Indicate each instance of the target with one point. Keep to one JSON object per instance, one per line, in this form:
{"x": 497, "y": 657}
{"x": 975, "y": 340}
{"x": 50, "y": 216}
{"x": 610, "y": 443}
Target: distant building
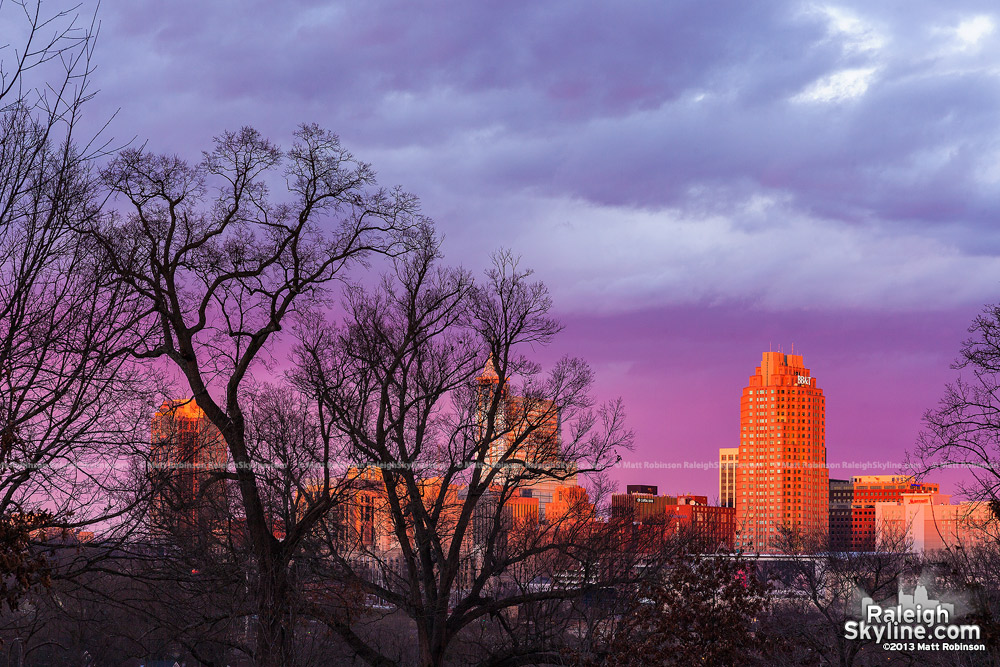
{"x": 927, "y": 522}
{"x": 781, "y": 474}
{"x": 360, "y": 519}
{"x": 636, "y": 506}
{"x": 187, "y": 455}
{"x": 569, "y": 501}
{"x": 728, "y": 456}
{"x": 713, "y": 526}
{"x": 868, "y": 490}
{"x": 648, "y": 489}
{"x": 527, "y": 434}
{"x": 517, "y": 513}
{"x": 841, "y": 497}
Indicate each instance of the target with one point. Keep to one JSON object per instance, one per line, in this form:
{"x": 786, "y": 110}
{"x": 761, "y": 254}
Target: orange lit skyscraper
{"x": 781, "y": 474}
{"x": 188, "y": 454}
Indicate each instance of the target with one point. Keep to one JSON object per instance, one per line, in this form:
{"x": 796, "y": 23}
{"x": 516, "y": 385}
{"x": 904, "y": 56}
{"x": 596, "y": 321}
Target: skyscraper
{"x": 781, "y": 474}
{"x": 188, "y": 456}
{"x": 527, "y": 431}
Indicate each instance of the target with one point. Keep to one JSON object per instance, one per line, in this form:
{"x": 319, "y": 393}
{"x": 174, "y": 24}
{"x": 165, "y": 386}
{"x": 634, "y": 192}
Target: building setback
{"x": 781, "y": 474}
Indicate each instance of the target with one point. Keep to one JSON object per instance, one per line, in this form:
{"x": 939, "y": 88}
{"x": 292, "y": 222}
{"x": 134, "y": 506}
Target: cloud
{"x": 768, "y": 253}
{"x": 971, "y": 31}
{"x": 838, "y": 87}
{"x": 873, "y": 129}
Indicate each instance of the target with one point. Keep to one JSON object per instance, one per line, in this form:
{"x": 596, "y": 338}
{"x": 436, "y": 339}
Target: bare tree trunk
{"x": 275, "y": 636}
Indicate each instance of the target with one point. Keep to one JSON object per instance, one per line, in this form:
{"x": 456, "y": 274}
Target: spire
{"x": 489, "y": 372}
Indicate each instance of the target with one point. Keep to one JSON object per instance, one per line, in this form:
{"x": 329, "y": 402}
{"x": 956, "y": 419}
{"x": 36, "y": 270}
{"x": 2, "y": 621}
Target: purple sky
{"x": 695, "y": 181}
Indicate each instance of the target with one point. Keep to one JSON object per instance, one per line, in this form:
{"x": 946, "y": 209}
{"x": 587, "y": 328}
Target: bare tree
{"x": 427, "y": 390}
{"x": 70, "y": 398}
{"x": 706, "y": 609}
{"x": 221, "y": 270}
{"x": 964, "y": 430}
{"x": 968, "y": 576}
{"x": 817, "y": 592}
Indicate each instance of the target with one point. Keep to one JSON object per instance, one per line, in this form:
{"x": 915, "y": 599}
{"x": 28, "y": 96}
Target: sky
{"x": 695, "y": 182}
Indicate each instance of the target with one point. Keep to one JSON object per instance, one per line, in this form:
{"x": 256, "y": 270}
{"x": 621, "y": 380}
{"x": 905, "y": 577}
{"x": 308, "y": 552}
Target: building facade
{"x": 526, "y": 441}
{"x": 712, "y": 527}
{"x": 841, "y": 498}
{"x": 639, "y": 507}
{"x": 781, "y": 475}
{"x": 728, "y": 456}
{"x": 927, "y": 522}
{"x": 868, "y": 490}
{"x": 187, "y": 455}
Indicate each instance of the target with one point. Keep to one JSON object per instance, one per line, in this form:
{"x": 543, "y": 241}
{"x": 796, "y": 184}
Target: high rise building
{"x": 781, "y": 474}
{"x": 727, "y": 476}
{"x": 188, "y": 453}
{"x": 925, "y": 521}
{"x": 527, "y": 433}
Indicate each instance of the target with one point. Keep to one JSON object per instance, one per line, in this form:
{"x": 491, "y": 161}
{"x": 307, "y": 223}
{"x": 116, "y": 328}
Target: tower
{"x": 188, "y": 452}
{"x": 526, "y": 441}
{"x": 781, "y": 477}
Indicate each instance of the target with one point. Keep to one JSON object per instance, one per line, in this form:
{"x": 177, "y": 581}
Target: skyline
{"x": 648, "y": 162}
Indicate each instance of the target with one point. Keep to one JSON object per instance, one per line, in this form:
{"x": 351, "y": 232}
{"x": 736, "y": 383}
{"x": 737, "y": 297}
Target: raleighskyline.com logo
{"x": 917, "y": 623}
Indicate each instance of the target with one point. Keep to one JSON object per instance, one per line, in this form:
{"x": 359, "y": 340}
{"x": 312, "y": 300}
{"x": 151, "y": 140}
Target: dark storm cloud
{"x": 849, "y": 147}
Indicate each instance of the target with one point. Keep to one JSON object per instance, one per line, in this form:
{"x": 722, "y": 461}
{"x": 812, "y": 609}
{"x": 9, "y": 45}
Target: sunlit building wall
{"x": 187, "y": 454}
{"x": 728, "y": 456}
{"x": 871, "y": 489}
{"x": 528, "y": 434}
{"x": 781, "y": 474}
{"x": 927, "y": 522}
